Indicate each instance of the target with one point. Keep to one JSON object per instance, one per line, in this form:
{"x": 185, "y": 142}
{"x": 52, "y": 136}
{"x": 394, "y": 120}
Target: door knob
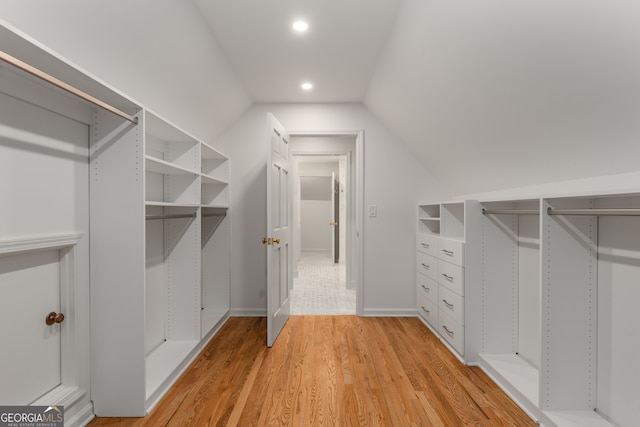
{"x": 266, "y": 240}
{"x": 276, "y": 240}
{"x": 54, "y": 317}
{"x": 333, "y": 223}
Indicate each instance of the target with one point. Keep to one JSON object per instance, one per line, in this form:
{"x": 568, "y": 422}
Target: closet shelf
{"x": 208, "y": 179}
{"x": 155, "y": 165}
{"x": 161, "y": 363}
{"x": 172, "y": 205}
{"x": 577, "y": 419}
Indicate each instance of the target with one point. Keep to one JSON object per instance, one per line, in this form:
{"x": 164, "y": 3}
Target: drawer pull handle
{"x": 425, "y": 288}
{"x": 448, "y": 253}
{"x": 447, "y": 330}
{"x": 449, "y": 306}
{"x": 425, "y": 265}
{"x": 425, "y": 310}
{"x": 449, "y": 278}
{"x": 425, "y": 245}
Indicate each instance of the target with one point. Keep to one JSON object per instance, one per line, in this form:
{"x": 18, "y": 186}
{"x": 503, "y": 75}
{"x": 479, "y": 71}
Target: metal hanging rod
{"x": 64, "y": 86}
{"x": 510, "y": 211}
{"x": 608, "y": 212}
{"x": 214, "y": 214}
{"x": 175, "y": 216}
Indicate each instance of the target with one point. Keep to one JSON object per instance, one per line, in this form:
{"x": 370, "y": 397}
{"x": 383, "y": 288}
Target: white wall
{"x": 394, "y": 181}
{"x": 315, "y": 216}
{"x": 498, "y": 94}
{"x": 160, "y": 53}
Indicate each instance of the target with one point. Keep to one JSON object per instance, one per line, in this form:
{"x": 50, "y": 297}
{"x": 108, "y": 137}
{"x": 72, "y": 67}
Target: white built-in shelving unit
{"x": 552, "y": 285}
{"x": 440, "y": 277}
{"x": 164, "y": 269}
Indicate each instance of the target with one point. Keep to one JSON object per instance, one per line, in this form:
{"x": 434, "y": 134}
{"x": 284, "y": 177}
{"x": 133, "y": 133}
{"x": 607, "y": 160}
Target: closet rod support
{"x": 176, "y": 216}
{"x": 64, "y": 86}
{"x": 510, "y": 212}
{"x": 608, "y": 211}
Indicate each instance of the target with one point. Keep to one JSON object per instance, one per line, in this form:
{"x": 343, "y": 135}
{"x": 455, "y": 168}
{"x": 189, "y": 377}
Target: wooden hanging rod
{"x": 609, "y": 211}
{"x": 64, "y": 86}
{"x": 510, "y": 212}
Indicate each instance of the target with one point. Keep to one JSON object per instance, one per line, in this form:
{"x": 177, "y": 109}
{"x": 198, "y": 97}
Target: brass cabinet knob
{"x": 54, "y": 317}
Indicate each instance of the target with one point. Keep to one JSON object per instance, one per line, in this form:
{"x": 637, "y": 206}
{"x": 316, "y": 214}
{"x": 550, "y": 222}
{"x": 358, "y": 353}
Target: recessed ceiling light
{"x": 306, "y": 86}
{"x": 300, "y": 26}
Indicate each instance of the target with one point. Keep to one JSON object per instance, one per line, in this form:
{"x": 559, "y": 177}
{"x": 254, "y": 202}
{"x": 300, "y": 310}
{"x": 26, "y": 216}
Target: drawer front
{"x": 428, "y": 287}
{"x": 428, "y": 310}
{"x": 451, "y": 251}
{"x": 451, "y": 331}
{"x": 451, "y": 303}
{"x": 428, "y": 243}
{"x": 427, "y": 265}
{"x": 451, "y": 276}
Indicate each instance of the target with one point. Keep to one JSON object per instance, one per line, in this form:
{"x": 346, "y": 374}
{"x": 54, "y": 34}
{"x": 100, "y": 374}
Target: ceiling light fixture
{"x": 306, "y": 86}
{"x": 300, "y": 26}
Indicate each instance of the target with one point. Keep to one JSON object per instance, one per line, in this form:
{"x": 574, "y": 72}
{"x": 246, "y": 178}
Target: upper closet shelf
{"x": 172, "y": 205}
{"x": 162, "y": 167}
{"x": 207, "y": 179}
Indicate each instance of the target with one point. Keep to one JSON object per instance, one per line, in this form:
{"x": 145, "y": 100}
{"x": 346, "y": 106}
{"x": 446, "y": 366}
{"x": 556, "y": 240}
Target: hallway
{"x": 320, "y": 287}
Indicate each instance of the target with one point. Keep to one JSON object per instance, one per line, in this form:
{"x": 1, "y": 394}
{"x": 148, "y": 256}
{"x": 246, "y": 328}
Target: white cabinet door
{"x": 279, "y": 254}
{"x": 30, "y": 363}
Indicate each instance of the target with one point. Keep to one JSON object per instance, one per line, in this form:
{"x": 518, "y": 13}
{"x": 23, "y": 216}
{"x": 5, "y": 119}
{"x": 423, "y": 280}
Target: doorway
{"x": 324, "y": 212}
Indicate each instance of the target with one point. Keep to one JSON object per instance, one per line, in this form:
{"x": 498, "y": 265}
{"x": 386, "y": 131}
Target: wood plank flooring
{"x": 330, "y": 371}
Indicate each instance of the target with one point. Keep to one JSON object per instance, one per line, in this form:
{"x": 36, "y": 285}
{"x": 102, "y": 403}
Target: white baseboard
{"x": 389, "y": 312}
{"x": 248, "y": 312}
{"x": 83, "y": 417}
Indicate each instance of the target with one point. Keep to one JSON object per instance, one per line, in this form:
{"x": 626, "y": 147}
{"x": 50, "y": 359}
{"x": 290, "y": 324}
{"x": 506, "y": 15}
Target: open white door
{"x": 277, "y": 242}
{"x": 335, "y": 214}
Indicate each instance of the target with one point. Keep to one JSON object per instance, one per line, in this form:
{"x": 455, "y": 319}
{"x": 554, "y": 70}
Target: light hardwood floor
{"x": 330, "y": 371}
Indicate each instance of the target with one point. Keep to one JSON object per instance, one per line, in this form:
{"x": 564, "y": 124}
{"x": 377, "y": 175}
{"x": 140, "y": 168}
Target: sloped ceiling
{"x": 497, "y": 94}
{"x": 488, "y": 94}
{"x": 338, "y": 53}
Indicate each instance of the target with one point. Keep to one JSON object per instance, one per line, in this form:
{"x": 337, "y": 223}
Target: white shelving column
{"x": 427, "y": 263}
{"x": 503, "y": 294}
{"x": 117, "y": 267}
{"x": 440, "y": 277}
{"x": 172, "y": 235}
{"x": 215, "y": 240}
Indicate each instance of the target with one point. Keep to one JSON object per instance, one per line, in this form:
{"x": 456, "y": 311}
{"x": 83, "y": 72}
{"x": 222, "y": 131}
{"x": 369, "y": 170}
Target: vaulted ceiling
{"x": 488, "y": 94}
{"x": 338, "y": 53}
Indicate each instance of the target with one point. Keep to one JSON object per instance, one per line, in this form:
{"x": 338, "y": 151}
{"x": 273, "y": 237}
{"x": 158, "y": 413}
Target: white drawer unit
{"x": 452, "y": 251}
{"x": 428, "y": 287}
{"x": 427, "y": 265}
{"x": 451, "y": 303}
{"x": 427, "y": 309}
{"x": 440, "y": 283}
{"x": 427, "y": 243}
{"x": 451, "y": 276}
{"x": 451, "y": 331}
